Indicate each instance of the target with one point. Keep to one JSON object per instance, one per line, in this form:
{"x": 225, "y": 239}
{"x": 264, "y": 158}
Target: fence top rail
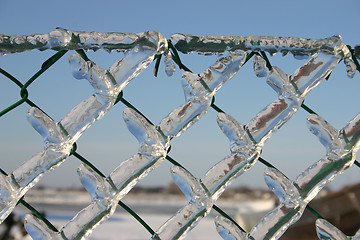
{"x": 63, "y": 39}
{"x": 218, "y": 44}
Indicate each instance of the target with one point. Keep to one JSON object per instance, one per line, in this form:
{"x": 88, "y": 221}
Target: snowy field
{"x": 122, "y": 226}
{"x": 155, "y": 212}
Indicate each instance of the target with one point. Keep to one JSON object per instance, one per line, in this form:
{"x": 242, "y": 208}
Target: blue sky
{"x": 108, "y": 142}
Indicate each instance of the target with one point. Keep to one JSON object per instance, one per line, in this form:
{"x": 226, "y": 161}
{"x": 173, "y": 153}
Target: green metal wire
{"x": 315, "y": 213}
{"x": 216, "y": 108}
{"x": 222, "y": 213}
{"x": 22, "y": 100}
{"x": 357, "y": 163}
{"x": 82, "y": 159}
{"x": 129, "y": 105}
{"x": 47, "y": 64}
{"x": 82, "y": 53}
{"x": 172, "y": 161}
{"x": 176, "y": 58}
{"x": 23, "y": 92}
{"x": 157, "y": 64}
{"x": 137, "y": 217}
{"x": 268, "y": 64}
{"x": 38, "y": 215}
{"x": 309, "y": 110}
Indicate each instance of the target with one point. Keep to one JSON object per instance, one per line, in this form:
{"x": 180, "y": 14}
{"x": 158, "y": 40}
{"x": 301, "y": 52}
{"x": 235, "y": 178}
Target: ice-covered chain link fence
{"x": 246, "y": 141}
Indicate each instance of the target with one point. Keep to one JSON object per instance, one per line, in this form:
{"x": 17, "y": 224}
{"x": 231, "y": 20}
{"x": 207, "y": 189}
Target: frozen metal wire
{"x": 75, "y": 43}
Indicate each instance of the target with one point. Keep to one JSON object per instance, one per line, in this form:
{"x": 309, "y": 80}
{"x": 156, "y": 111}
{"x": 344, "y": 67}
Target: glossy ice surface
{"x": 246, "y": 140}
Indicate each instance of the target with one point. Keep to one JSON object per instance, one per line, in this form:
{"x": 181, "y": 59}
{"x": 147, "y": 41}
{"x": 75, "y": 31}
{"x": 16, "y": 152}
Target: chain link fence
{"x": 145, "y": 50}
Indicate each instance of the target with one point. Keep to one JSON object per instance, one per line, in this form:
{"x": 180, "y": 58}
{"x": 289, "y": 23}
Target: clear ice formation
{"x": 246, "y": 142}
{"x": 299, "y": 47}
{"x": 326, "y": 231}
{"x": 169, "y": 64}
{"x": 341, "y": 148}
{"x": 199, "y": 90}
{"x": 63, "y": 39}
{"x": 154, "y": 143}
{"x": 107, "y": 192}
{"x": 259, "y": 66}
{"x": 60, "y": 136}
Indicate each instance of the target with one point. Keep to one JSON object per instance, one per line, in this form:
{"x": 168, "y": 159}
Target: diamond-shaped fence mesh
{"x": 246, "y": 140}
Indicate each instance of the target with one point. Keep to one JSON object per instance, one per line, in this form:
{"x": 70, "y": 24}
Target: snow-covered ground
{"x": 123, "y": 226}
{"x": 60, "y": 208}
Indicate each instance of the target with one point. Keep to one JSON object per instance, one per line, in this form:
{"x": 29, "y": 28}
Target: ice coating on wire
{"x": 228, "y": 230}
{"x": 60, "y": 136}
{"x": 63, "y": 39}
{"x": 299, "y": 47}
{"x": 169, "y": 64}
{"x": 326, "y": 231}
{"x": 106, "y": 192}
{"x": 341, "y": 148}
{"x": 38, "y": 229}
{"x": 153, "y": 146}
{"x": 246, "y": 141}
{"x": 199, "y": 90}
{"x": 259, "y": 66}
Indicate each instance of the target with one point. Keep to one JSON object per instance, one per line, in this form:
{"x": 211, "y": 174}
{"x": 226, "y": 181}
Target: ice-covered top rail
{"x": 187, "y": 43}
{"x": 299, "y": 47}
{"x": 62, "y": 39}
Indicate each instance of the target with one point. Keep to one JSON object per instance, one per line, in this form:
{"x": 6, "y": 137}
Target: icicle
{"x": 283, "y": 188}
{"x": 95, "y": 185}
{"x": 259, "y": 66}
{"x": 54, "y": 135}
{"x": 199, "y": 206}
{"x": 326, "y": 231}
{"x": 192, "y": 188}
{"x": 350, "y": 67}
{"x": 240, "y": 141}
{"x": 328, "y": 136}
{"x": 228, "y": 230}
{"x": 169, "y": 64}
{"x": 38, "y": 230}
{"x": 104, "y": 202}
